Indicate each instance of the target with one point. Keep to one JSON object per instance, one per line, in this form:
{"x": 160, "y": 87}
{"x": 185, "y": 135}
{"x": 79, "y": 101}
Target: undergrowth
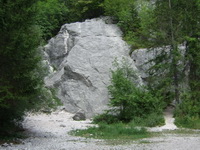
{"x": 113, "y": 131}
{"x": 188, "y": 122}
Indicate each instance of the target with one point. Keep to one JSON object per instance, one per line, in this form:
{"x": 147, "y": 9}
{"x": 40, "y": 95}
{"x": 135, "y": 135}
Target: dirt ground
{"x": 50, "y": 132}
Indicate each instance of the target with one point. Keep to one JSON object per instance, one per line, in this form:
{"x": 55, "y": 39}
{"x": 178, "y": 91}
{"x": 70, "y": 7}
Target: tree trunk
{"x": 173, "y": 51}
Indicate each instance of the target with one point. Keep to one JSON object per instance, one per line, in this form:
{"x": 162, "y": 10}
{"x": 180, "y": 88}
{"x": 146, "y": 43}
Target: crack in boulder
{"x": 70, "y": 74}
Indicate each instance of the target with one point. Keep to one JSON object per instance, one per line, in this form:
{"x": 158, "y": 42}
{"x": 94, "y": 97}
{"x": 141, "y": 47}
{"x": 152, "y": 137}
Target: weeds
{"x": 113, "y": 131}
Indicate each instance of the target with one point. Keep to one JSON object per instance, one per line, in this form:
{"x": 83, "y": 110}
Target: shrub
{"x": 150, "y": 120}
{"x": 106, "y": 118}
{"x": 187, "y": 113}
{"x": 128, "y": 100}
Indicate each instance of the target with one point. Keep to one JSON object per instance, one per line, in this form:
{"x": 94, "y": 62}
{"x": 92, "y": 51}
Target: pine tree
{"x": 177, "y": 22}
{"x": 20, "y": 79}
{"x": 167, "y": 30}
{"x": 189, "y": 110}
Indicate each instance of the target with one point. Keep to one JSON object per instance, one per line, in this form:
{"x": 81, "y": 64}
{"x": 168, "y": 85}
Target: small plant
{"x": 113, "y": 131}
{"x": 150, "y": 120}
{"x": 106, "y": 118}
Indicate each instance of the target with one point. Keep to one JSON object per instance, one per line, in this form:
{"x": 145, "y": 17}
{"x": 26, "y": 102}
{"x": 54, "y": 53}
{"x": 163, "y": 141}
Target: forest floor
{"x": 50, "y": 132}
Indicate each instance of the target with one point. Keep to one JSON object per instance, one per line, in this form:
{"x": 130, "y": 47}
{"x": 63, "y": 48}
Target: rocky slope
{"x": 81, "y": 56}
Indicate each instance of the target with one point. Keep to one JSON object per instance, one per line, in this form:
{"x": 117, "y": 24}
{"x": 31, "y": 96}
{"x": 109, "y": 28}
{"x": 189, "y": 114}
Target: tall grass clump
{"x": 113, "y": 131}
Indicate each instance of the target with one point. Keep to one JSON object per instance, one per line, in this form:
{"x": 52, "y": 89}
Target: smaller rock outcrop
{"x": 143, "y": 58}
{"x": 80, "y": 115}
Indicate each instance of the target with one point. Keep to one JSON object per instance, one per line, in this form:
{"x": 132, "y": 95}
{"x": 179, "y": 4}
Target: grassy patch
{"x": 188, "y": 122}
{"x": 113, "y": 131}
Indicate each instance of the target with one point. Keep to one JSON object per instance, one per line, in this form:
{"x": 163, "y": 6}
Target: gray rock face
{"x": 142, "y": 57}
{"x": 82, "y": 55}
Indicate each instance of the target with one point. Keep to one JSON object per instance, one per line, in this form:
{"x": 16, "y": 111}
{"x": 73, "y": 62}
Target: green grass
{"x": 191, "y": 123}
{"x": 113, "y": 131}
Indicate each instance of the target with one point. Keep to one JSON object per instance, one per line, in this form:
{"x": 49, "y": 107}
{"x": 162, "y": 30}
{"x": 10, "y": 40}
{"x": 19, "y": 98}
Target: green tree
{"x": 79, "y": 10}
{"x": 126, "y": 14}
{"x": 135, "y": 18}
{"x": 128, "y": 99}
{"x": 188, "y": 113}
{"x": 168, "y": 35}
{"x": 20, "y": 75}
{"x": 51, "y": 14}
{"x": 177, "y": 22}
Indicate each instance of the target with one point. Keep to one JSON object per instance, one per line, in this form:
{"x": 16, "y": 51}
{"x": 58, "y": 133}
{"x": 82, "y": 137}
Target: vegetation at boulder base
{"x": 130, "y": 106}
{"x": 130, "y": 101}
{"x": 114, "y": 131}
{"x": 176, "y": 23}
{"x": 169, "y": 25}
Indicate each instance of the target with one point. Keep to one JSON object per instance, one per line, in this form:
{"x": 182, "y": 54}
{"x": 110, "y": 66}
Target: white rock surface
{"x": 82, "y": 55}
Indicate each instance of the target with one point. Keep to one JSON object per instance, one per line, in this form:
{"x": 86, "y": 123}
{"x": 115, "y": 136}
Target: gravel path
{"x": 49, "y": 132}
{"x": 169, "y": 121}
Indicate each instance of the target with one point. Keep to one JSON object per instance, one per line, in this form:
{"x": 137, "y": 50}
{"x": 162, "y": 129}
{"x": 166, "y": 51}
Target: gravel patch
{"x": 50, "y": 132}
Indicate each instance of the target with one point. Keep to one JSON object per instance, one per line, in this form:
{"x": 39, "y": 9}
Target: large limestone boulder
{"x": 81, "y": 56}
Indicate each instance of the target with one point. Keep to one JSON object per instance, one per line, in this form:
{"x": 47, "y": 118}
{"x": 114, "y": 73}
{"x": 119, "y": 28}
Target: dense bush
{"x": 106, "y": 118}
{"x": 51, "y": 14}
{"x": 151, "y": 120}
{"x": 188, "y": 112}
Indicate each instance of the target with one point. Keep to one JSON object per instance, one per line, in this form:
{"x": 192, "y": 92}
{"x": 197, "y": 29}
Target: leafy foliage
{"x": 188, "y": 112}
{"x": 79, "y": 10}
{"x": 151, "y": 120}
{"x": 51, "y": 14}
{"x": 126, "y": 14}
